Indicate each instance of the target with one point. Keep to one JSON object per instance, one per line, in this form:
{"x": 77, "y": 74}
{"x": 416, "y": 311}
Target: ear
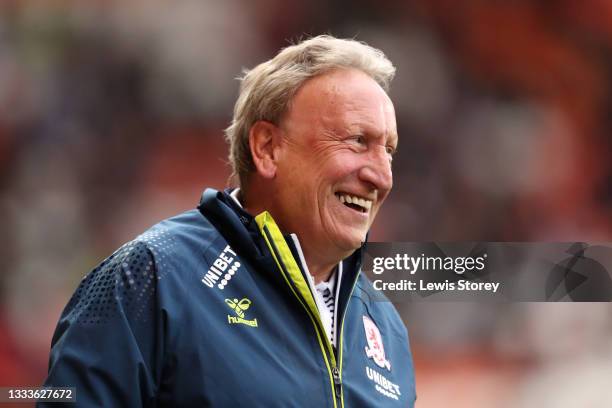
{"x": 264, "y": 138}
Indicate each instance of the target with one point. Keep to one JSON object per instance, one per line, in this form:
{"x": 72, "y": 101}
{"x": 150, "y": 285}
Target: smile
{"x": 354, "y": 202}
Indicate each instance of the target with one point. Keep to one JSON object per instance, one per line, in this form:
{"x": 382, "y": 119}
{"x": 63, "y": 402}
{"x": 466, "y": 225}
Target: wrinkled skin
{"x": 336, "y": 138}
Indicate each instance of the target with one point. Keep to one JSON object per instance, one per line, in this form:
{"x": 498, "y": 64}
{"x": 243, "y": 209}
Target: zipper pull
{"x": 337, "y": 381}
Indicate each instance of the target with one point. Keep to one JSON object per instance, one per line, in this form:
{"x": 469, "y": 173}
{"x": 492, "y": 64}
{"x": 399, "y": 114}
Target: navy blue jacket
{"x": 211, "y": 308}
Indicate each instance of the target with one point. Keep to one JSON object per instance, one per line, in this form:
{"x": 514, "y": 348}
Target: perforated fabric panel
{"x": 126, "y": 279}
{"x": 109, "y": 341}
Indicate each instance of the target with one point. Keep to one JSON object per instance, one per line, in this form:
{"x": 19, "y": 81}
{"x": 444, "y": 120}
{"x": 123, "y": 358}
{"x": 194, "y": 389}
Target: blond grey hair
{"x": 267, "y": 90}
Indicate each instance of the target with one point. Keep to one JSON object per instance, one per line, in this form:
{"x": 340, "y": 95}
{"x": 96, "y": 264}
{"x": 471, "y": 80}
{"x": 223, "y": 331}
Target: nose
{"x": 377, "y": 170}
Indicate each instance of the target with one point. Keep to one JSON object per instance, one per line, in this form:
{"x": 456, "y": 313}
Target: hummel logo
{"x": 239, "y": 307}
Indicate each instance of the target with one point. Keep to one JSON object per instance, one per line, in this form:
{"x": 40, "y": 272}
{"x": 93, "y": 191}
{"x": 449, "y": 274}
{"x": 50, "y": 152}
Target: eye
{"x": 359, "y": 139}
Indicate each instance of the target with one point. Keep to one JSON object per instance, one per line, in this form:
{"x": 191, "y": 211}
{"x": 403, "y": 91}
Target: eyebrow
{"x": 394, "y": 138}
{"x": 364, "y": 128}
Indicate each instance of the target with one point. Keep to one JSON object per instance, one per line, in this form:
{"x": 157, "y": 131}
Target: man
{"x": 256, "y": 298}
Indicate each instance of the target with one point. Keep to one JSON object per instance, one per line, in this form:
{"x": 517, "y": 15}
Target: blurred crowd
{"x": 112, "y": 115}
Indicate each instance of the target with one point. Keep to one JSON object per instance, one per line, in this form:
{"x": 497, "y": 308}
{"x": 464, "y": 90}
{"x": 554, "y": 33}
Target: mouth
{"x": 356, "y": 203}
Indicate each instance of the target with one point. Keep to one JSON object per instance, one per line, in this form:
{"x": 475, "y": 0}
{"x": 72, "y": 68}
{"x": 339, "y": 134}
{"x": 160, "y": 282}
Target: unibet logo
{"x": 239, "y": 308}
{"x": 222, "y": 269}
{"x": 383, "y": 385}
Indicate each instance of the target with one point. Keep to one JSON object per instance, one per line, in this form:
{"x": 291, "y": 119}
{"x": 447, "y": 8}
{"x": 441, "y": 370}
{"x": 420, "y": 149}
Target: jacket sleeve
{"x": 106, "y": 343}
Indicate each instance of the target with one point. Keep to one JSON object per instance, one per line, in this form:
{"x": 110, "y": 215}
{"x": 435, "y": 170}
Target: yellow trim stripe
{"x": 266, "y": 223}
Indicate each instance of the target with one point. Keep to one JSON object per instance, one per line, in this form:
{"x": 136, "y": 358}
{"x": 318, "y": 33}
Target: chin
{"x": 351, "y": 243}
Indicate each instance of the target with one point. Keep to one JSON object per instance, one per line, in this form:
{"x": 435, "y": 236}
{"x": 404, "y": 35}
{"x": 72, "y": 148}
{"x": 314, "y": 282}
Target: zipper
{"x": 337, "y": 383}
{"x": 341, "y": 338}
{"x": 269, "y": 230}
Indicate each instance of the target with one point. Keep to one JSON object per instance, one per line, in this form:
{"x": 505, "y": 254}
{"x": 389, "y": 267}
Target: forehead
{"x": 345, "y": 98}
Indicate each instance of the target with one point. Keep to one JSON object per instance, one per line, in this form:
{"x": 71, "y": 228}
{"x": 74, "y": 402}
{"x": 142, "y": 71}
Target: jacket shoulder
{"x": 187, "y": 231}
{"x": 178, "y": 244}
{"x": 188, "y": 226}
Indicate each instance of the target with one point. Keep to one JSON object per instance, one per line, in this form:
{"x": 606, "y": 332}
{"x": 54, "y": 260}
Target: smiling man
{"x": 324, "y": 170}
{"x": 256, "y": 298}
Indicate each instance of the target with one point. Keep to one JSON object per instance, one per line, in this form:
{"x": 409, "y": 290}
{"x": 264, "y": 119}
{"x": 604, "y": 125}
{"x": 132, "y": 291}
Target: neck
{"x": 320, "y": 273}
{"x": 319, "y": 267}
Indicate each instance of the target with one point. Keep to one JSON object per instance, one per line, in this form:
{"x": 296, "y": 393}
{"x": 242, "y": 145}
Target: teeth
{"x": 362, "y": 202}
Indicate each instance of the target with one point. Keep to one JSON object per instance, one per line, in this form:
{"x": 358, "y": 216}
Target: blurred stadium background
{"x": 111, "y": 118}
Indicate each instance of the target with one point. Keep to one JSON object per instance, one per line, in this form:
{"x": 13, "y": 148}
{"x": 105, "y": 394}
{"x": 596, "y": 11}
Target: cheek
{"x": 290, "y": 168}
{"x": 340, "y": 167}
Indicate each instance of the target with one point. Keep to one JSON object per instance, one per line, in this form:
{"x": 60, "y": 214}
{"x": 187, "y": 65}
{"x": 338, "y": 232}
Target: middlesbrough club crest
{"x": 375, "y": 349}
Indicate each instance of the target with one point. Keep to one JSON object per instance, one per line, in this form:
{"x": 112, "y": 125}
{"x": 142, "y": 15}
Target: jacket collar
{"x": 240, "y": 230}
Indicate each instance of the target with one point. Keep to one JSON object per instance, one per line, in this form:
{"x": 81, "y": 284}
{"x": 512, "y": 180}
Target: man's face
{"x": 334, "y": 161}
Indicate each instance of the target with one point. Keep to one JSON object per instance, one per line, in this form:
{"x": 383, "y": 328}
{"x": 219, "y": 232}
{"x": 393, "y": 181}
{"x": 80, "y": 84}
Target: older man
{"x": 256, "y": 297}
